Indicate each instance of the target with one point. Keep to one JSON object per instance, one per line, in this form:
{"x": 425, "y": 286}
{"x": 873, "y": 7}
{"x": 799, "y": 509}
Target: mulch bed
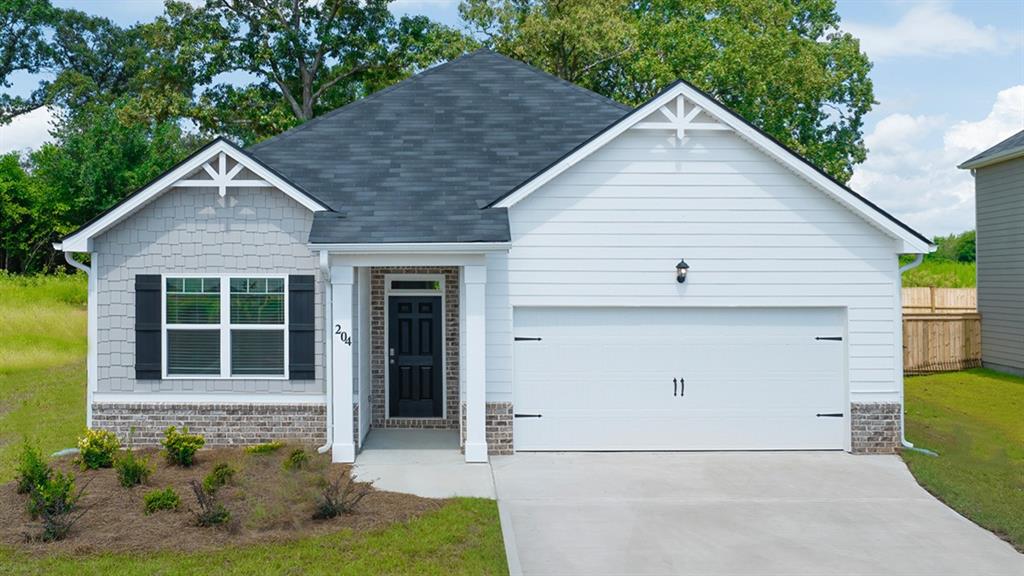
{"x": 267, "y": 504}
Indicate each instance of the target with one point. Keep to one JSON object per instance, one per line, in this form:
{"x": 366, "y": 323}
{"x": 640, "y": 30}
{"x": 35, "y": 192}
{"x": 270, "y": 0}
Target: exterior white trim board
{"x": 416, "y": 247}
{"x": 200, "y": 399}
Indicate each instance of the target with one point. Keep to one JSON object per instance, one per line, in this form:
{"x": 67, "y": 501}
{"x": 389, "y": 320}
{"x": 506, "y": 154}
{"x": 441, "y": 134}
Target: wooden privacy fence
{"x": 941, "y": 330}
{"x": 940, "y": 300}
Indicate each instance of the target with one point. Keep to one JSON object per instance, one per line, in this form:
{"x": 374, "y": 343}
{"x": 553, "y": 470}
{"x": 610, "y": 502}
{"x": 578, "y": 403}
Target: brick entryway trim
{"x": 378, "y": 355}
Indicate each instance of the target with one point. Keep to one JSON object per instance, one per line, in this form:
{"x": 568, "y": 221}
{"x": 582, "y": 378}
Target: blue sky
{"x": 948, "y": 76}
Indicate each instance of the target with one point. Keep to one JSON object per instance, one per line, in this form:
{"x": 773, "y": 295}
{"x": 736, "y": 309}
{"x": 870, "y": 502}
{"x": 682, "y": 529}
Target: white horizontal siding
{"x": 609, "y": 231}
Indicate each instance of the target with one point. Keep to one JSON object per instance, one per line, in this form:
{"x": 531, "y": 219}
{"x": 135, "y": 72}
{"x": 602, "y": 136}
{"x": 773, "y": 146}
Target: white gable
{"x": 683, "y": 111}
{"x": 219, "y": 167}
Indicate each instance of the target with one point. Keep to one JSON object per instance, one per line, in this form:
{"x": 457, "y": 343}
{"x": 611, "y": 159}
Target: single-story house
{"x": 490, "y": 249}
{"x": 999, "y": 210}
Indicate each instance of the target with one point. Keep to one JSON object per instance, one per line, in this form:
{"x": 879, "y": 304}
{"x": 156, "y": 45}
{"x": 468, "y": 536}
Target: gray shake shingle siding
{"x": 416, "y": 162}
{"x": 1000, "y": 212}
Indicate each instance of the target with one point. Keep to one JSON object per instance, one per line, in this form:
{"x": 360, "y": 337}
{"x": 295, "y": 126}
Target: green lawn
{"x": 942, "y": 274}
{"x": 975, "y": 421}
{"x": 42, "y": 363}
{"x": 42, "y": 397}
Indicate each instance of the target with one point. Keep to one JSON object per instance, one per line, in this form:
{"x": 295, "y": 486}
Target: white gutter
{"x": 903, "y": 407}
{"x": 414, "y": 247}
{"x": 91, "y": 342}
{"x": 325, "y": 269}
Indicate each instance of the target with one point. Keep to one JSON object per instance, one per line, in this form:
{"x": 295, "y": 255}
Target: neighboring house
{"x": 486, "y": 248}
{"x": 999, "y": 201}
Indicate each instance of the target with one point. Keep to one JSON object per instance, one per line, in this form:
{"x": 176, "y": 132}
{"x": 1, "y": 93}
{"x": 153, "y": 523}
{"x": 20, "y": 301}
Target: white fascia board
{"x": 911, "y": 244}
{"x": 81, "y": 241}
{"x": 995, "y": 159}
{"x": 414, "y": 247}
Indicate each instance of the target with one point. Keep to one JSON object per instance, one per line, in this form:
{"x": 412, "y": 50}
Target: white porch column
{"x": 342, "y": 356}
{"x": 474, "y": 283}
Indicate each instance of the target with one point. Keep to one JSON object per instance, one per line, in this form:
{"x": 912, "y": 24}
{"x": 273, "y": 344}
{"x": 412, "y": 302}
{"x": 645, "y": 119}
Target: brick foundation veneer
{"x": 378, "y": 358}
{"x": 875, "y": 428}
{"x": 220, "y": 424}
{"x": 498, "y": 428}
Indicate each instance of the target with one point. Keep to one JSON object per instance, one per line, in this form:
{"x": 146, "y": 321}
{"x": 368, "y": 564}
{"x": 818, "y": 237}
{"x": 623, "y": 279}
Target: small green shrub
{"x": 265, "y": 448}
{"x": 181, "y": 447}
{"x": 221, "y": 475}
{"x": 55, "y": 502}
{"x": 96, "y": 449}
{"x": 211, "y": 512}
{"x": 340, "y": 495}
{"x": 131, "y": 469}
{"x": 296, "y": 460}
{"x": 32, "y": 468}
{"x": 166, "y": 499}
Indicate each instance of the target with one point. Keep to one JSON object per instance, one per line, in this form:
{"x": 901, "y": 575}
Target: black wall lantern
{"x": 681, "y": 269}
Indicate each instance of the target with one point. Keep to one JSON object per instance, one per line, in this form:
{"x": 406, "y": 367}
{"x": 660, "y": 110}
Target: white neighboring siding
{"x": 609, "y": 231}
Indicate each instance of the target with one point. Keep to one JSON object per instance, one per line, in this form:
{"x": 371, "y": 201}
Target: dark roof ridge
{"x": 347, "y": 107}
{"x": 560, "y": 80}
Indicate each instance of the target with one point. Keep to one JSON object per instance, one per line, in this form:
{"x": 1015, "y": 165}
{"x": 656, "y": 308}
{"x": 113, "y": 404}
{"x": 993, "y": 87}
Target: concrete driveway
{"x": 783, "y": 513}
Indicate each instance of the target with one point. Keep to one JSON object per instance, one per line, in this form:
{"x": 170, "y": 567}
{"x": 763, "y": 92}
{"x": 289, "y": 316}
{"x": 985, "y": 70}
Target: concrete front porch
{"x": 422, "y": 462}
{"x": 371, "y": 390}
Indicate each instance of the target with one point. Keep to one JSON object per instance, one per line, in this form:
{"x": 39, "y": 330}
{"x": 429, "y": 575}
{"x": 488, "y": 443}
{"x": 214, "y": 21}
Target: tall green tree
{"x": 23, "y": 47}
{"x": 305, "y": 56}
{"x": 784, "y": 65}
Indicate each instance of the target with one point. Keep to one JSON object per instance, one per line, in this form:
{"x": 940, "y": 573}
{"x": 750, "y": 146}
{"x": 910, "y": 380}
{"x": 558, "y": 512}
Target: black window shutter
{"x": 300, "y": 327}
{"x": 147, "y": 327}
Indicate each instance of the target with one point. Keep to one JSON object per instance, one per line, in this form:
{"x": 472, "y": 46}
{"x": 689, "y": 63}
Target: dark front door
{"x": 414, "y": 357}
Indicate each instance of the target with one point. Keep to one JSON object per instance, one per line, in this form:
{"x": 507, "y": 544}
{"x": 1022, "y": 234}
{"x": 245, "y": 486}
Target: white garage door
{"x": 679, "y": 379}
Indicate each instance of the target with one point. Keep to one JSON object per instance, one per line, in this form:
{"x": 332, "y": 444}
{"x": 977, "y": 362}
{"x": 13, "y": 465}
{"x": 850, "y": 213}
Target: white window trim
{"x": 440, "y": 292}
{"x": 224, "y": 326}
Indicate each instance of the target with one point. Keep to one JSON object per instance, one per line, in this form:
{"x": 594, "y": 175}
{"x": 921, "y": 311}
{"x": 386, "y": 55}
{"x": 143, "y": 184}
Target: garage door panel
{"x": 602, "y": 379}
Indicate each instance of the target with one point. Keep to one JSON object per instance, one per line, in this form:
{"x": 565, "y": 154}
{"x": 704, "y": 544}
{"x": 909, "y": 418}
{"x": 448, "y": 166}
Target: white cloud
{"x": 27, "y": 131}
{"x": 929, "y": 29}
{"x": 911, "y": 166}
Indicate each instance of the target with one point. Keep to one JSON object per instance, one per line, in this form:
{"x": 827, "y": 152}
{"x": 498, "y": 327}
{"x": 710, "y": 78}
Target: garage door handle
{"x": 831, "y": 415}
{"x": 527, "y": 339}
{"x": 526, "y": 415}
{"x": 675, "y": 387}
{"x": 833, "y": 338}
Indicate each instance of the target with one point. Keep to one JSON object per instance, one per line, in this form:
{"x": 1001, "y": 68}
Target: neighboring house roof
{"x": 1012, "y": 147}
{"x": 210, "y": 163}
{"x": 707, "y": 104}
{"x": 418, "y": 161}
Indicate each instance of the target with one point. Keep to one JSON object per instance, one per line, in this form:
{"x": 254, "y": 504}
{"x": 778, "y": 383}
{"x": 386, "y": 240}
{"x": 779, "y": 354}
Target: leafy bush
{"x": 131, "y": 469}
{"x": 181, "y": 447}
{"x": 211, "y": 512}
{"x": 166, "y": 499}
{"x": 221, "y": 475}
{"x": 296, "y": 460}
{"x": 55, "y": 502}
{"x": 32, "y": 468}
{"x": 340, "y": 495}
{"x": 265, "y": 448}
{"x": 96, "y": 449}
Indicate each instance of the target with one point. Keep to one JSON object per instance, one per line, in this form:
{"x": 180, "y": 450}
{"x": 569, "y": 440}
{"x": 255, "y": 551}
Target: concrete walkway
{"x": 423, "y": 462}
{"x": 794, "y": 513}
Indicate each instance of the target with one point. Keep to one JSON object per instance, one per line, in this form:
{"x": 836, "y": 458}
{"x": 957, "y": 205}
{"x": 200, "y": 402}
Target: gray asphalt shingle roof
{"x": 1015, "y": 142}
{"x": 418, "y": 161}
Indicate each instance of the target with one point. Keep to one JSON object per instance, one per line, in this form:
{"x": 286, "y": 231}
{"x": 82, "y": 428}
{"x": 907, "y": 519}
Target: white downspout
{"x": 328, "y": 369}
{"x": 91, "y": 331}
{"x": 903, "y": 407}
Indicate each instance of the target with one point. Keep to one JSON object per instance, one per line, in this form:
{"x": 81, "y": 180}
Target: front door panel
{"x": 415, "y": 371}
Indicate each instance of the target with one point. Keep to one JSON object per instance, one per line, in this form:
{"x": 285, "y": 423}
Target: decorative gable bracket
{"x": 221, "y": 177}
{"x": 685, "y": 116}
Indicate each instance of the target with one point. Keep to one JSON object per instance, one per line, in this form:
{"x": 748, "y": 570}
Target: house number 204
{"x": 342, "y": 335}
